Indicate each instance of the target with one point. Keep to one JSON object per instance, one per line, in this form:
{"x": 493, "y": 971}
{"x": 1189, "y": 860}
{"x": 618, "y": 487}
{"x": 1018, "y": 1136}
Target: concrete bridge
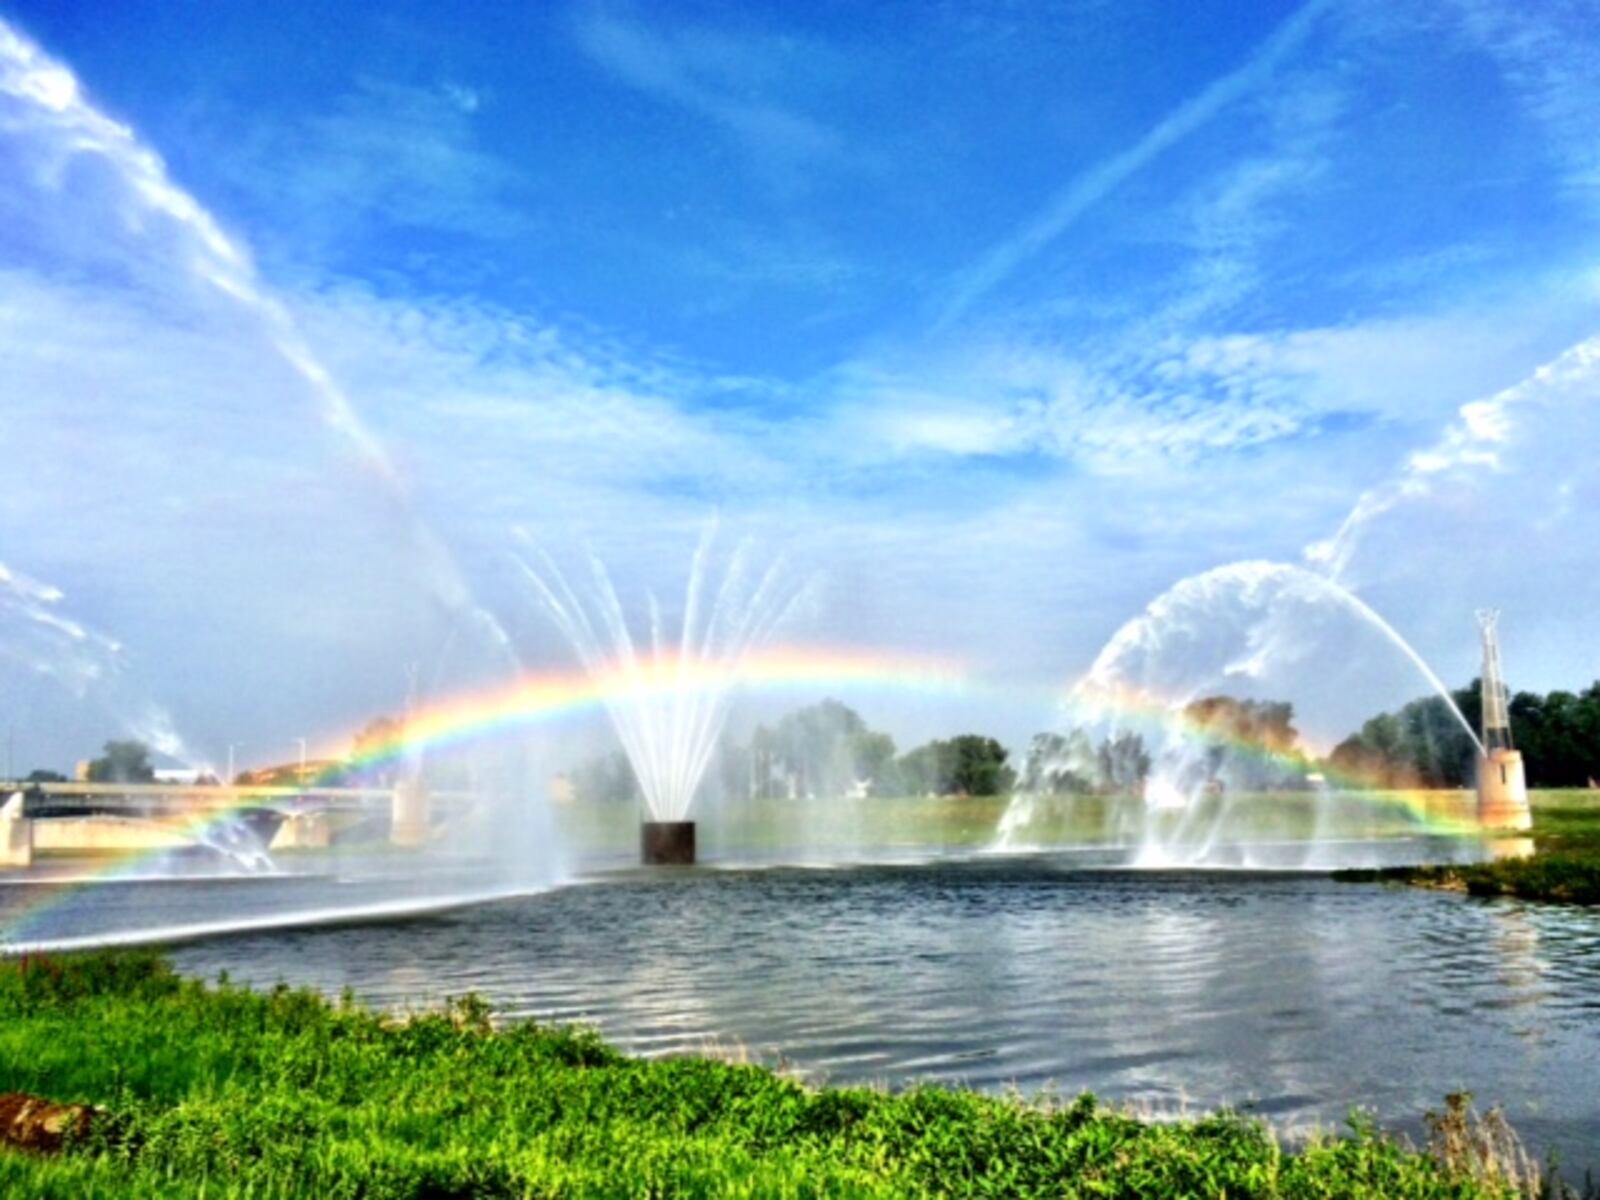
{"x": 91, "y": 818}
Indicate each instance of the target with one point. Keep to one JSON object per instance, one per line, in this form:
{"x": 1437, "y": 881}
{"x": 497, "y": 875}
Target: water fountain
{"x": 667, "y": 698}
{"x": 1178, "y": 733}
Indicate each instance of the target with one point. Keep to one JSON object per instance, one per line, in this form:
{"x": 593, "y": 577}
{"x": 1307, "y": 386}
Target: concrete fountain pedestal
{"x": 666, "y": 843}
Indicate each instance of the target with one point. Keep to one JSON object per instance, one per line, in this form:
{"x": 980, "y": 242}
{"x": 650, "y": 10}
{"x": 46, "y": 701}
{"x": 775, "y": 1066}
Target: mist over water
{"x": 1145, "y": 723}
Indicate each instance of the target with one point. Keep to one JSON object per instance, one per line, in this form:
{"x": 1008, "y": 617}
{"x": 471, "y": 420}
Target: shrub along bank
{"x": 219, "y": 1091}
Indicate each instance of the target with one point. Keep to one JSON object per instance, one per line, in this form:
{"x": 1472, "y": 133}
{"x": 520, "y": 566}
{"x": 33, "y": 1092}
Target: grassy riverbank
{"x": 223, "y": 1092}
{"x": 1564, "y": 865}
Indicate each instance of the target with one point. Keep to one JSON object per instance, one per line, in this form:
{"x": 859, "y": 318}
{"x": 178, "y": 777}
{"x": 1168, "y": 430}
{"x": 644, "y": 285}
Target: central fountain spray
{"x": 668, "y": 703}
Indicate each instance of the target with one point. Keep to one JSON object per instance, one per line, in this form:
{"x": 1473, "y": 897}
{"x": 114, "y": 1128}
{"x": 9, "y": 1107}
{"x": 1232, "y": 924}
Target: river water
{"x": 1288, "y": 994}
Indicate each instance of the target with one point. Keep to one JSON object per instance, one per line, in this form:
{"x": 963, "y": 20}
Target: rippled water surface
{"x": 1292, "y": 994}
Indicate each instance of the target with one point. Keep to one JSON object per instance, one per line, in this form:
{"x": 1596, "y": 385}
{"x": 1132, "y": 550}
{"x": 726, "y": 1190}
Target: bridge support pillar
{"x": 304, "y": 831}
{"x": 16, "y": 834}
{"x": 409, "y": 815}
{"x": 1503, "y": 791}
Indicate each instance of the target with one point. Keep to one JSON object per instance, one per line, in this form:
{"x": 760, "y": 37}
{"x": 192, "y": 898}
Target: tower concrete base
{"x": 1503, "y": 791}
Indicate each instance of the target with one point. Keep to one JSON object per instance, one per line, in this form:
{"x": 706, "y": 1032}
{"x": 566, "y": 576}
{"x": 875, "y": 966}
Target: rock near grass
{"x": 39, "y": 1125}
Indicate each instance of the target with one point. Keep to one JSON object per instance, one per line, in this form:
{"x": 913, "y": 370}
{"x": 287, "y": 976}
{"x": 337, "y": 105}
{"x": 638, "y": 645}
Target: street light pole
{"x": 301, "y": 778}
{"x": 231, "y": 747}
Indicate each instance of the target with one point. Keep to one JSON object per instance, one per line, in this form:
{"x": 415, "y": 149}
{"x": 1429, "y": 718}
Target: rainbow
{"x": 534, "y": 700}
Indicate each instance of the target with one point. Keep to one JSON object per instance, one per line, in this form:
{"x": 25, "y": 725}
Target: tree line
{"x": 828, "y": 749}
{"x": 824, "y": 749}
{"x": 1423, "y": 745}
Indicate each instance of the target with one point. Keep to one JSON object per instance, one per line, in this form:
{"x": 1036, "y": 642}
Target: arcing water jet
{"x": 1181, "y": 756}
{"x": 43, "y": 97}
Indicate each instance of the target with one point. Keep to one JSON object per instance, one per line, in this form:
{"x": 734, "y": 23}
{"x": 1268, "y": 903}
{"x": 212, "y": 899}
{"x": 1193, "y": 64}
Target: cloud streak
{"x": 708, "y": 76}
{"x": 1095, "y": 184}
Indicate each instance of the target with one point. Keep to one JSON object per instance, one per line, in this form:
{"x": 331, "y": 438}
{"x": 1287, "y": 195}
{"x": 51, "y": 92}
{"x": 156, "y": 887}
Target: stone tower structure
{"x": 1502, "y": 784}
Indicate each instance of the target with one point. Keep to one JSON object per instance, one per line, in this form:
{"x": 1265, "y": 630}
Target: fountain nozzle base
{"x": 666, "y": 843}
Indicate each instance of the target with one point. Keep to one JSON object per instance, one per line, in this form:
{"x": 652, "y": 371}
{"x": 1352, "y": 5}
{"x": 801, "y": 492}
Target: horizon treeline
{"x": 828, "y": 749}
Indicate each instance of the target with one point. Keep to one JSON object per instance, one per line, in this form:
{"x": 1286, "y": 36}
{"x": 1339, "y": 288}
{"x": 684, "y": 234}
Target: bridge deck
{"x": 60, "y": 797}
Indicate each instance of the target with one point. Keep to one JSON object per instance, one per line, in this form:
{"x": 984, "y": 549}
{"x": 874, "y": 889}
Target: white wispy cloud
{"x": 1004, "y": 401}
{"x": 1546, "y": 53}
{"x": 1008, "y": 499}
{"x": 386, "y": 155}
{"x": 716, "y": 75}
{"x": 1100, "y": 180}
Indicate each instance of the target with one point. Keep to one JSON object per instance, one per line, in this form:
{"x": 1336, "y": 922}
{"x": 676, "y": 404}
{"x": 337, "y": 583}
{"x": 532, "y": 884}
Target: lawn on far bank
{"x": 1564, "y": 865}
{"x": 219, "y": 1091}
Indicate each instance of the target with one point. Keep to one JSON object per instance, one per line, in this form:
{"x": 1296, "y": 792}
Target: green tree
{"x": 1124, "y": 764}
{"x": 872, "y": 760}
{"x": 823, "y": 749}
{"x": 1061, "y": 764}
{"x": 122, "y": 762}
{"x": 1254, "y": 742}
{"x": 969, "y": 764}
{"x": 1424, "y": 745}
{"x": 979, "y": 766}
{"x": 922, "y": 771}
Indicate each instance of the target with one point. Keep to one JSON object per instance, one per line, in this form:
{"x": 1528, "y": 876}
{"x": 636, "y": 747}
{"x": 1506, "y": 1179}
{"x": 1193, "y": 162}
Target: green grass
{"x": 1564, "y": 865}
{"x": 958, "y": 823}
{"x": 223, "y": 1092}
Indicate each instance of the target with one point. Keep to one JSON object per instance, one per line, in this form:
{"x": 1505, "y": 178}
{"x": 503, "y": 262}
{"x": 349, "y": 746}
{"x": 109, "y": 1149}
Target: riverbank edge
{"x": 225, "y": 1091}
{"x": 1559, "y": 878}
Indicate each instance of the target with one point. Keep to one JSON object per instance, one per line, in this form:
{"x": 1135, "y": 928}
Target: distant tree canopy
{"x": 967, "y": 765}
{"x": 40, "y": 775}
{"x": 1423, "y": 745}
{"x": 827, "y": 749}
{"x": 823, "y": 749}
{"x": 1250, "y": 743}
{"x": 122, "y": 762}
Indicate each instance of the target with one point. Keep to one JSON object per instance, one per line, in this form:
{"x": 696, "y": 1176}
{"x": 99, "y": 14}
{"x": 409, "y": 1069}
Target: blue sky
{"x": 1006, "y": 318}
